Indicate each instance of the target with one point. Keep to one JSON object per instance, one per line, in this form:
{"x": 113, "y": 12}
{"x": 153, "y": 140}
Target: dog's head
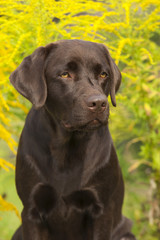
{"x": 72, "y": 80}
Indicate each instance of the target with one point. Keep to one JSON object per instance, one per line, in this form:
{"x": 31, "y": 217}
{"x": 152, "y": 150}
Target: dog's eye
{"x": 65, "y": 75}
{"x": 104, "y": 75}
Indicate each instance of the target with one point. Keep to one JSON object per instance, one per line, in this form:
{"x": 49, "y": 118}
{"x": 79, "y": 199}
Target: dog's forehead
{"x": 77, "y": 50}
{"x": 78, "y": 44}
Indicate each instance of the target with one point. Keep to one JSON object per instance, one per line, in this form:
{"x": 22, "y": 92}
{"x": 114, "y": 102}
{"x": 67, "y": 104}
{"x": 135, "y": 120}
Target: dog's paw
{"x": 128, "y": 236}
{"x": 82, "y": 201}
{"x": 43, "y": 199}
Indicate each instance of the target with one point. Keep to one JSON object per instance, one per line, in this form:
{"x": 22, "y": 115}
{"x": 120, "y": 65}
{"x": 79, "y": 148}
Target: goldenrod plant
{"x": 131, "y": 30}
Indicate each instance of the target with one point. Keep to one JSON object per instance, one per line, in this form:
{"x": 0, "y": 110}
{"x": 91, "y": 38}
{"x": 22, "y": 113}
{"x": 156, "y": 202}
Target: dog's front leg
{"x": 84, "y": 200}
{"x": 99, "y": 220}
{"x": 103, "y": 227}
{"x": 43, "y": 199}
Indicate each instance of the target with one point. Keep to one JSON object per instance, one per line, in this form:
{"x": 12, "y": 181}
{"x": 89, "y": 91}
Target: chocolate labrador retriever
{"x": 67, "y": 172}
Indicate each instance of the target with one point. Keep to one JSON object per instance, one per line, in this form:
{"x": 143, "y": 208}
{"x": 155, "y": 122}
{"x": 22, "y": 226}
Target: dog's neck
{"x": 69, "y": 153}
{"x": 63, "y": 136}
{"x": 79, "y": 145}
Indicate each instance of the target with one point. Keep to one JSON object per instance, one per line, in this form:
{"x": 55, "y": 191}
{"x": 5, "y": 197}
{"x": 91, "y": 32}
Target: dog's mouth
{"x": 89, "y": 126}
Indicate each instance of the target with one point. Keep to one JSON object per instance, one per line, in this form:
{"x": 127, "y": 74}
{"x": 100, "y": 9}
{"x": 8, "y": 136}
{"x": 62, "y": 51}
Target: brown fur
{"x": 67, "y": 172}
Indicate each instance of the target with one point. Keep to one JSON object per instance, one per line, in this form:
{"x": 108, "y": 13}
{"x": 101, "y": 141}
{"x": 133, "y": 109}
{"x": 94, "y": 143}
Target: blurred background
{"x": 131, "y": 31}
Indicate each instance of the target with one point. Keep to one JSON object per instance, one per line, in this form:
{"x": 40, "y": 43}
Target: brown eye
{"x": 65, "y": 75}
{"x": 104, "y": 75}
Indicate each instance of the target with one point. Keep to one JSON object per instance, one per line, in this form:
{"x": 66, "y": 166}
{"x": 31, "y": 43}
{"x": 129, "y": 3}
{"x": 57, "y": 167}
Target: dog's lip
{"x": 66, "y": 124}
{"x": 94, "y": 122}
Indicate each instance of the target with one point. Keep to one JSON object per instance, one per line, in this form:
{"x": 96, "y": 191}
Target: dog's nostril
{"x": 103, "y": 104}
{"x": 93, "y": 104}
{"x": 96, "y": 103}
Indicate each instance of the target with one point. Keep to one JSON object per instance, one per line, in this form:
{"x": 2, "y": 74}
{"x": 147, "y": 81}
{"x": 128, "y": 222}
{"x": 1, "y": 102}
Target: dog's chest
{"x": 74, "y": 165}
{"x": 67, "y": 169}
{"x": 66, "y": 182}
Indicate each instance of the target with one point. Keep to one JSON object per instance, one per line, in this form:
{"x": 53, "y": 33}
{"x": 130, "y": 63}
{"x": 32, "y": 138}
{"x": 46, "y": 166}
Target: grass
{"x": 8, "y": 219}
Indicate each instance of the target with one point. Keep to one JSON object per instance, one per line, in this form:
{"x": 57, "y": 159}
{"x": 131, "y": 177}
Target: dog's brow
{"x": 97, "y": 67}
{"x": 72, "y": 65}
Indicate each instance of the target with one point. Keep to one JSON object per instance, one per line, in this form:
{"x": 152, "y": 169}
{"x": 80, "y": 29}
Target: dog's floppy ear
{"x": 115, "y": 77}
{"x": 29, "y": 79}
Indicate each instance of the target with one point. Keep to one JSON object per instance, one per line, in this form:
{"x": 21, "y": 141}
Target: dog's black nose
{"x": 97, "y": 103}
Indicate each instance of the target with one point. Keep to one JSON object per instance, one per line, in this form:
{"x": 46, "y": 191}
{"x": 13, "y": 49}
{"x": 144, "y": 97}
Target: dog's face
{"x": 72, "y": 80}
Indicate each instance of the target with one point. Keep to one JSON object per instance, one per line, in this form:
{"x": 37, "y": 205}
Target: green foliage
{"x": 131, "y": 31}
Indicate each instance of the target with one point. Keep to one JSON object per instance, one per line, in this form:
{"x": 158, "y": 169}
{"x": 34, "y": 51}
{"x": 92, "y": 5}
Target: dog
{"x": 67, "y": 172}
